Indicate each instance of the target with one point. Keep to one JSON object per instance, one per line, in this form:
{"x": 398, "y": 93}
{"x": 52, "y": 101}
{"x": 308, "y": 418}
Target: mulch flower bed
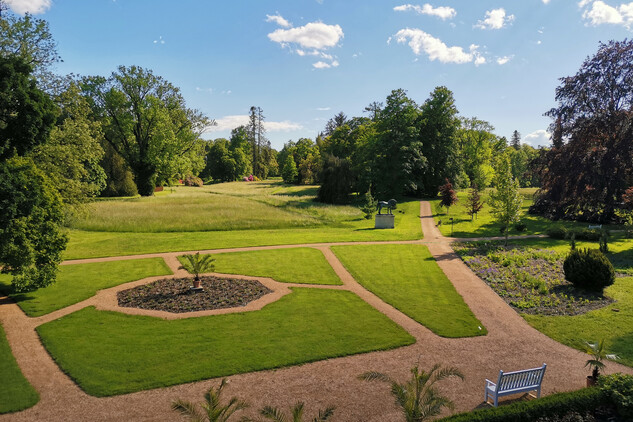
{"x": 530, "y": 280}
{"x": 174, "y": 295}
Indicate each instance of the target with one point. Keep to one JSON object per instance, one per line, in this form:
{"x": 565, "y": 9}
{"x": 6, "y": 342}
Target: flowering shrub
{"x": 530, "y": 280}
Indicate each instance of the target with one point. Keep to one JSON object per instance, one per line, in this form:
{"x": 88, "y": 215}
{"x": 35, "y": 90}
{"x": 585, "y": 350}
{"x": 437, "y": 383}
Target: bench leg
{"x": 496, "y": 400}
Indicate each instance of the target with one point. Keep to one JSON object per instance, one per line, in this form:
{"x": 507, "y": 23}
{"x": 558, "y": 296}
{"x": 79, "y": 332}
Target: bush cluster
{"x": 619, "y": 389}
{"x": 589, "y": 269}
{"x": 193, "y": 181}
{"x": 560, "y": 232}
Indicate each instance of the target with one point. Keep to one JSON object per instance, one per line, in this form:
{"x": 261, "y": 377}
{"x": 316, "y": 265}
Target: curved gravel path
{"x": 511, "y": 344}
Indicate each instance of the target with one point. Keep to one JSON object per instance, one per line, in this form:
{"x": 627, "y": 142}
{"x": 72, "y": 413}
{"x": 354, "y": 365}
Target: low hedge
{"x": 560, "y": 232}
{"x": 581, "y": 401}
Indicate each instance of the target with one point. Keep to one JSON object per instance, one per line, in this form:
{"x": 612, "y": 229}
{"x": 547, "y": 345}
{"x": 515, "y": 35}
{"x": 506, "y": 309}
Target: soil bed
{"x": 530, "y": 280}
{"x": 174, "y": 294}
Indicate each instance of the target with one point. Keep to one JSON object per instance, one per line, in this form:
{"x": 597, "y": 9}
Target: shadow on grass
{"x": 622, "y": 344}
{"x": 305, "y": 192}
{"x": 622, "y": 261}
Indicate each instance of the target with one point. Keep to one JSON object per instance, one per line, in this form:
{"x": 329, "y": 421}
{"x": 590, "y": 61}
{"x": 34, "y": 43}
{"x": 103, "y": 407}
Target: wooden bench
{"x": 515, "y": 382}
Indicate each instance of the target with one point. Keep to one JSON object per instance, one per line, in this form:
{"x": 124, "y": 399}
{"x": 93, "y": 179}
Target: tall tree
{"x": 586, "y": 172}
{"x": 145, "y": 120}
{"x": 334, "y": 123}
{"x": 473, "y": 202}
{"x": 397, "y": 160}
{"x": 515, "y": 141}
{"x": 31, "y": 40}
{"x": 31, "y": 238}
{"x": 505, "y": 199}
{"x": 438, "y": 134}
{"x": 477, "y": 143}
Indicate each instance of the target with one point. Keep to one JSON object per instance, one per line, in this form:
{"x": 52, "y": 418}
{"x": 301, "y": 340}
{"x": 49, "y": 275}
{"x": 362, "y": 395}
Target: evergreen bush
{"x": 589, "y": 269}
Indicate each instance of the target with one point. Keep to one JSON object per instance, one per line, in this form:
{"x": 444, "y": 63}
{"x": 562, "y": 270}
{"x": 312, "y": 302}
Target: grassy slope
{"x": 484, "y": 225}
{"x": 88, "y": 244}
{"x": 15, "y": 391}
{"x": 108, "y": 353}
{"x": 81, "y": 281}
{"x": 408, "y": 278}
{"x": 297, "y": 265}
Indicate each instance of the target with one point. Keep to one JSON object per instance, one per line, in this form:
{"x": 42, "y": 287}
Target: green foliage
{"x": 589, "y": 269}
{"x": 418, "y": 398}
{"x": 31, "y": 215}
{"x": 27, "y": 114}
{"x": 145, "y": 120}
{"x": 193, "y": 181}
{"x": 71, "y": 156}
{"x": 604, "y": 245}
{"x": 336, "y": 181}
{"x": 214, "y": 411}
{"x": 408, "y": 278}
{"x": 587, "y": 399}
{"x": 474, "y": 203}
{"x": 196, "y": 264}
{"x": 15, "y": 391}
{"x": 226, "y": 160}
{"x": 110, "y": 353}
{"x": 369, "y": 205}
{"x": 598, "y": 353}
{"x": 274, "y": 414}
{"x": 478, "y": 142}
{"x": 289, "y": 171}
{"x": 619, "y": 388}
{"x": 506, "y": 199}
{"x": 119, "y": 178}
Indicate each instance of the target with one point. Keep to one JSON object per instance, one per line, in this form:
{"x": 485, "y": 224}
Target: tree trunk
{"x": 145, "y": 177}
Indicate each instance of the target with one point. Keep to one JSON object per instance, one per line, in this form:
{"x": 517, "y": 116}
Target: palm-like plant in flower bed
{"x": 196, "y": 264}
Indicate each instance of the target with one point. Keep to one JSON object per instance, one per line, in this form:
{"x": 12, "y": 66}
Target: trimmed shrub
{"x": 561, "y": 404}
{"x": 619, "y": 388}
{"x": 588, "y": 234}
{"x": 557, "y": 232}
{"x": 520, "y": 226}
{"x": 589, "y": 269}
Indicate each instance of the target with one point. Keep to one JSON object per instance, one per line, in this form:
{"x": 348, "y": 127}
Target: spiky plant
{"x": 418, "y": 398}
{"x": 212, "y": 409}
{"x": 197, "y": 264}
{"x": 598, "y": 354}
{"x": 274, "y": 414}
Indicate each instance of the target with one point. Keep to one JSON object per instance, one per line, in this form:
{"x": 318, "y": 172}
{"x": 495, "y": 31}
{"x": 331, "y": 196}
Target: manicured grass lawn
{"x": 616, "y": 328}
{"x": 108, "y": 353}
{"x": 297, "y": 265}
{"x": 484, "y": 225}
{"x": 408, "y": 278}
{"x": 92, "y": 244}
{"x": 15, "y": 391}
{"x": 78, "y": 282}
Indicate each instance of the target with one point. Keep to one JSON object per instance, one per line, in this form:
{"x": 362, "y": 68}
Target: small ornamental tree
{"x": 474, "y": 203}
{"x": 506, "y": 200}
{"x": 289, "y": 171}
{"x": 196, "y": 264}
{"x": 369, "y": 206}
{"x": 448, "y": 195}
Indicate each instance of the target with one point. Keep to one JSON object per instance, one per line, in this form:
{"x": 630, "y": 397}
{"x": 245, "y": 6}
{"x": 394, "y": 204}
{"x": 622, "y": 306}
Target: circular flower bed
{"x": 175, "y": 295}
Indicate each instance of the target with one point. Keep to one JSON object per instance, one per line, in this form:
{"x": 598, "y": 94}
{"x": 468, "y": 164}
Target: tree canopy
{"x": 145, "y": 120}
{"x": 589, "y": 167}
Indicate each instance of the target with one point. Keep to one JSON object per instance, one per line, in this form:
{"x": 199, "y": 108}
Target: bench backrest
{"x": 520, "y": 379}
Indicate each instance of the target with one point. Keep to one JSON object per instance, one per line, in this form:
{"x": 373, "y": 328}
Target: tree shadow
{"x": 624, "y": 342}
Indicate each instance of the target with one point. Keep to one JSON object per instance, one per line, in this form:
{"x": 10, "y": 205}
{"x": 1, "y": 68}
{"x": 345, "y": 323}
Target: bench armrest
{"x": 489, "y": 383}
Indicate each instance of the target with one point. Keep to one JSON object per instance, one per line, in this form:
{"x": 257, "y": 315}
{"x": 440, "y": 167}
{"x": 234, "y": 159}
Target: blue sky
{"x": 303, "y": 61}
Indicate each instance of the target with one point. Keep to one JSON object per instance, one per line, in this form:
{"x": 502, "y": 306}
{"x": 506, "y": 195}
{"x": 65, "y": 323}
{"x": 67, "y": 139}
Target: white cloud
{"x": 231, "y": 122}
{"x": 537, "y": 138}
{"x": 314, "y": 35}
{"x": 442, "y": 12}
{"x": 503, "y": 60}
{"x": 160, "y": 40}
{"x": 546, "y": 1}
{"x": 279, "y": 20}
{"x": 421, "y": 42}
{"x": 495, "y": 19}
{"x": 34, "y": 7}
{"x": 602, "y": 13}
{"x": 312, "y": 39}
{"x": 324, "y": 108}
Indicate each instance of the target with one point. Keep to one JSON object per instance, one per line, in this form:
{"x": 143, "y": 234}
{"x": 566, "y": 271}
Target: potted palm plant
{"x": 196, "y": 264}
{"x": 598, "y": 354}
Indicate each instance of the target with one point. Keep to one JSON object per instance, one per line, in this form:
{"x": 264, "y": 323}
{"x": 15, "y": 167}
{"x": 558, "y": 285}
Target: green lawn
{"x": 483, "y": 225}
{"x": 296, "y": 265}
{"x": 616, "y": 328}
{"x": 78, "y": 282}
{"x": 15, "y": 391}
{"x": 408, "y": 278}
{"x": 109, "y": 353}
{"x": 346, "y": 227}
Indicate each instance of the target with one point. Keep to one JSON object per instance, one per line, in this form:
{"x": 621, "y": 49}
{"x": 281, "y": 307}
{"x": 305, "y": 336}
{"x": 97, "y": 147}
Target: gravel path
{"x": 511, "y": 344}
